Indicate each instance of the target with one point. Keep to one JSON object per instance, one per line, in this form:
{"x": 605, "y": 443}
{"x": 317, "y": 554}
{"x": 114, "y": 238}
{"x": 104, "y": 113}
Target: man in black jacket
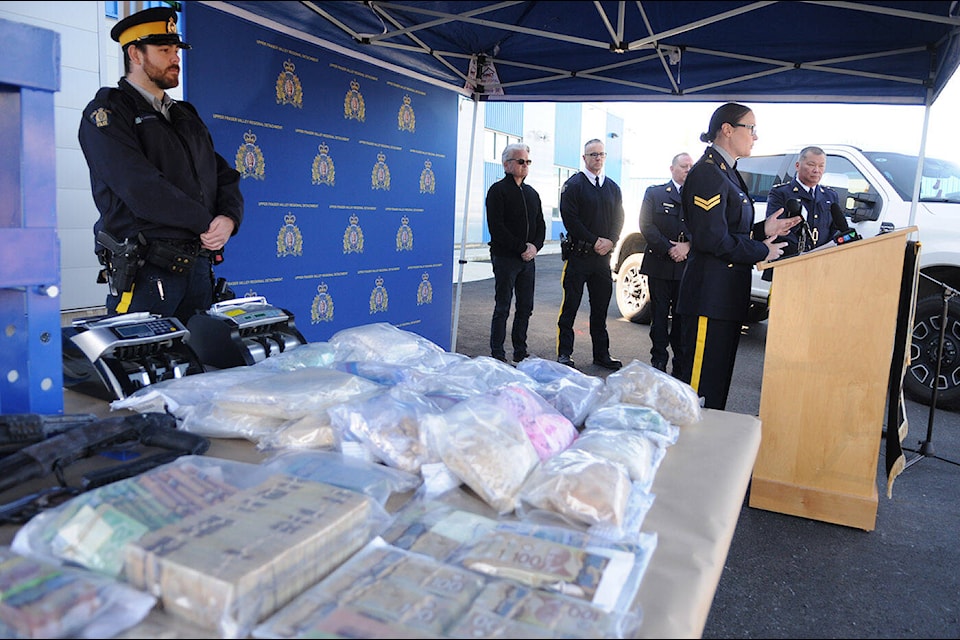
{"x": 517, "y": 230}
{"x": 168, "y": 201}
{"x": 591, "y": 206}
{"x": 668, "y": 243}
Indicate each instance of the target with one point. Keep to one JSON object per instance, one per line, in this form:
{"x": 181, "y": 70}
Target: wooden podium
{"x": 830, "y": 340}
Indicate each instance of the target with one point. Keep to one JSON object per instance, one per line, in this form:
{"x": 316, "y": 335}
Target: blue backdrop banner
{"x": 349, "y": 178}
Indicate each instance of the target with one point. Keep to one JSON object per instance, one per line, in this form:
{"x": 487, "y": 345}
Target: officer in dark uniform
{"x": 168, "y": 201}
{"x": 668, "y": 244}
{"x": 725, "y": 246}
{"x": 591, "y": 206}
{"x": 815, "y": 201}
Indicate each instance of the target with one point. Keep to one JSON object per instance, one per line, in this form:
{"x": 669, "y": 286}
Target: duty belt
{"x": 176, "y": 256}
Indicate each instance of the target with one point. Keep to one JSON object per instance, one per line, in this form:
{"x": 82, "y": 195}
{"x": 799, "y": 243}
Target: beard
{"x": 164, "y": 78}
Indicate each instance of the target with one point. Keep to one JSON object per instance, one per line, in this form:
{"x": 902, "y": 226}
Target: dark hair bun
{"x": 705, "y": 137}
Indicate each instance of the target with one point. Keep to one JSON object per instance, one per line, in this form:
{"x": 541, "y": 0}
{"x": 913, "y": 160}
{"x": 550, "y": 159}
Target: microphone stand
{"x": 926, "y": 446}
{"x": 802, "y": 243}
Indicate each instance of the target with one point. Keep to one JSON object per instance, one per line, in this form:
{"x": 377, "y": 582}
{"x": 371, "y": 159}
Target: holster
{"x": 570, "y": 247}
{"x": 120, "y": 261}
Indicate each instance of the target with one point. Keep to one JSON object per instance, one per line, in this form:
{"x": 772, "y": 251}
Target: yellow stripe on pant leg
{"x": 698, "y": 352}
{"x": 563, "y": 296}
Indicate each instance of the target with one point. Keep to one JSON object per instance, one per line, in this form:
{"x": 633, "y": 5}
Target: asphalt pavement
{"x": 786, "y": 576}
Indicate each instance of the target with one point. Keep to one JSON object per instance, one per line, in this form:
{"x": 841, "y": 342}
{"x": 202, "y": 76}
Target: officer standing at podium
{"x": 168, "y": 201}
{"x": 815, "y": 200}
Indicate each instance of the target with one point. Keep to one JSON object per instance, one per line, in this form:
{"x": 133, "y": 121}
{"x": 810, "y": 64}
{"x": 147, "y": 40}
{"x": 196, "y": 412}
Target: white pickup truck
{"x": 877, "y": 188}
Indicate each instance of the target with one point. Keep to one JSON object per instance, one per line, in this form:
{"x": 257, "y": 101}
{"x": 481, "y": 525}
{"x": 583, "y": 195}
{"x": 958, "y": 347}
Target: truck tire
{"x": 924, "y": 350}
{"x": 632, "y": 290}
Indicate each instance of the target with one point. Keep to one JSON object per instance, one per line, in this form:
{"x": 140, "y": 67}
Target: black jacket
{"x": 815, "y": 211}
{"x": 589, "y": 213}
{"x": 163, "y": 179}
{"x": 514, "y": 218}
{"x": 662, "y": 225}
{"x": 719, "y": 213}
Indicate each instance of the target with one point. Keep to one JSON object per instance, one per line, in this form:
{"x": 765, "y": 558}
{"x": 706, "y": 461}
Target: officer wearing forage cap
{"x": 168, "y": 201}
{"x": 150, "y": 26}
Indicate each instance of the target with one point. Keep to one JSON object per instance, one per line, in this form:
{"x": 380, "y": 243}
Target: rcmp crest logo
{"x": 101, "y": 117}
{"x": 424, "y": 290}
{"x": 380, "y": 177}
{"x": 322, "y": 308}
{"x": 289, "y": 90}
{"x": 406, "y": 118}
{"x": 353, "y": 107}
{"x": 323, "y": 170}
{"x": 378, "y": 297}
{"x": 289, "y": 240}
{"x": 353, "y": 236}
{"x": 249, "y": 161}
{"x": 404, "y": 235}
{"x": 428, "y": 181}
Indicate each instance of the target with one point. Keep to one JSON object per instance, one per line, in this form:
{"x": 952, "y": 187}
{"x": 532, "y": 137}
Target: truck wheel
{"x": 633, "y": 293}
{"x": 924, "y": 350}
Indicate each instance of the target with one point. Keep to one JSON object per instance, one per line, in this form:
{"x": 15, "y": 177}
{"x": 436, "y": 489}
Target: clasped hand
{"x": 603, "y": 246}
{"x": 217, "y": 234}
{"x": 678, "y": 251}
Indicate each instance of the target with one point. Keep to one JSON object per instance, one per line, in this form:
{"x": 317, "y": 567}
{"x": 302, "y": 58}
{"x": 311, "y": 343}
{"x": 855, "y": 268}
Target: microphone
{"x": 794, "y": 207}
{"x": 844, "y": 232}
{"x": 839, "y": 220}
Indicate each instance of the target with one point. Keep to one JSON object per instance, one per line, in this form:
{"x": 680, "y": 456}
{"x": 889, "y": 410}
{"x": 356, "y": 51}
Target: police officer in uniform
{"x": 815, "y": 201}
{"x": 168, "y": 201}
{"x": 668, "y": 244}
{"x": 591, "y": 206}
{"x": 725, "y": 245}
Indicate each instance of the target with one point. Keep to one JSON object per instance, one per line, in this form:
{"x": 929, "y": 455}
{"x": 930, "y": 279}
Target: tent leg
{"x": 463, "y": 235}
{"x": 920, "y": 160}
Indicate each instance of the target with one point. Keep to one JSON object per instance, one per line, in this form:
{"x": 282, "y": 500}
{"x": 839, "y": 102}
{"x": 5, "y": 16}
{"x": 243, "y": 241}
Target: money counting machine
{"x": 242, "y": 331}
{"x": 133, "y": 350}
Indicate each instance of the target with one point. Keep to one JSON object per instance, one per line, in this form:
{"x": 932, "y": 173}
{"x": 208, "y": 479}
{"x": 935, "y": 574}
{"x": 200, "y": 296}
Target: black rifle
{"x": 54, "y": 454}
{"x": 18, "y": 430}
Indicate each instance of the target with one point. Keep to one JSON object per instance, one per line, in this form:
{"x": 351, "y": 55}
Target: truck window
{"x": 842, "y": 176}
{"x": 760, "y": 173}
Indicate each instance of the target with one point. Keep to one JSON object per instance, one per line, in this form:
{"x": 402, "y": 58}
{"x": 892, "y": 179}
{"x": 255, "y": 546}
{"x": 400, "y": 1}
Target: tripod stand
{"x": 926, "y": 446}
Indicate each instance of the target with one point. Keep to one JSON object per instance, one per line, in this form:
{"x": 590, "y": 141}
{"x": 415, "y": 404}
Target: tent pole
{"x": 463, "y": 232}
{"x": 922, "y": 156}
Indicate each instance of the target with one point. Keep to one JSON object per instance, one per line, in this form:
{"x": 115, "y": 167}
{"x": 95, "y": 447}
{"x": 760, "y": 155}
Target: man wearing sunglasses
{"x": 591, "y": 206}
{"x": 517, "y": 231}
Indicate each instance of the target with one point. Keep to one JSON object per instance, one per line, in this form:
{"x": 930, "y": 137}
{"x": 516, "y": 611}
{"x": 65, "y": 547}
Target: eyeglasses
{"x": 596, "y": 154}
{"x": 520, "y": 161}
{"x": 752, "y": 127}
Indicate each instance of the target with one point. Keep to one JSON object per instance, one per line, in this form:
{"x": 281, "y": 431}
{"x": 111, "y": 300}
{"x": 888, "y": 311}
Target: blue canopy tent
{"x": 825, "y": 52}
{"x": 869, "y": 52}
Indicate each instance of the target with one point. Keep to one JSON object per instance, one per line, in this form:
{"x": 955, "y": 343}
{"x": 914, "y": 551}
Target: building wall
{"x": 89, "y": 59}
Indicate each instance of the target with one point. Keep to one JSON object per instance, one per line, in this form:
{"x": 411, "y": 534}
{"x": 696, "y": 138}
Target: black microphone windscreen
{"x": 792, "y": 207}
{"x": 839, "y": 220}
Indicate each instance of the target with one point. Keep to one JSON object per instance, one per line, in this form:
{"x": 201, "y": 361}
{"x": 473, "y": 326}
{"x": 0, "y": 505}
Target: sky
{"x": 652, "y": 135}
